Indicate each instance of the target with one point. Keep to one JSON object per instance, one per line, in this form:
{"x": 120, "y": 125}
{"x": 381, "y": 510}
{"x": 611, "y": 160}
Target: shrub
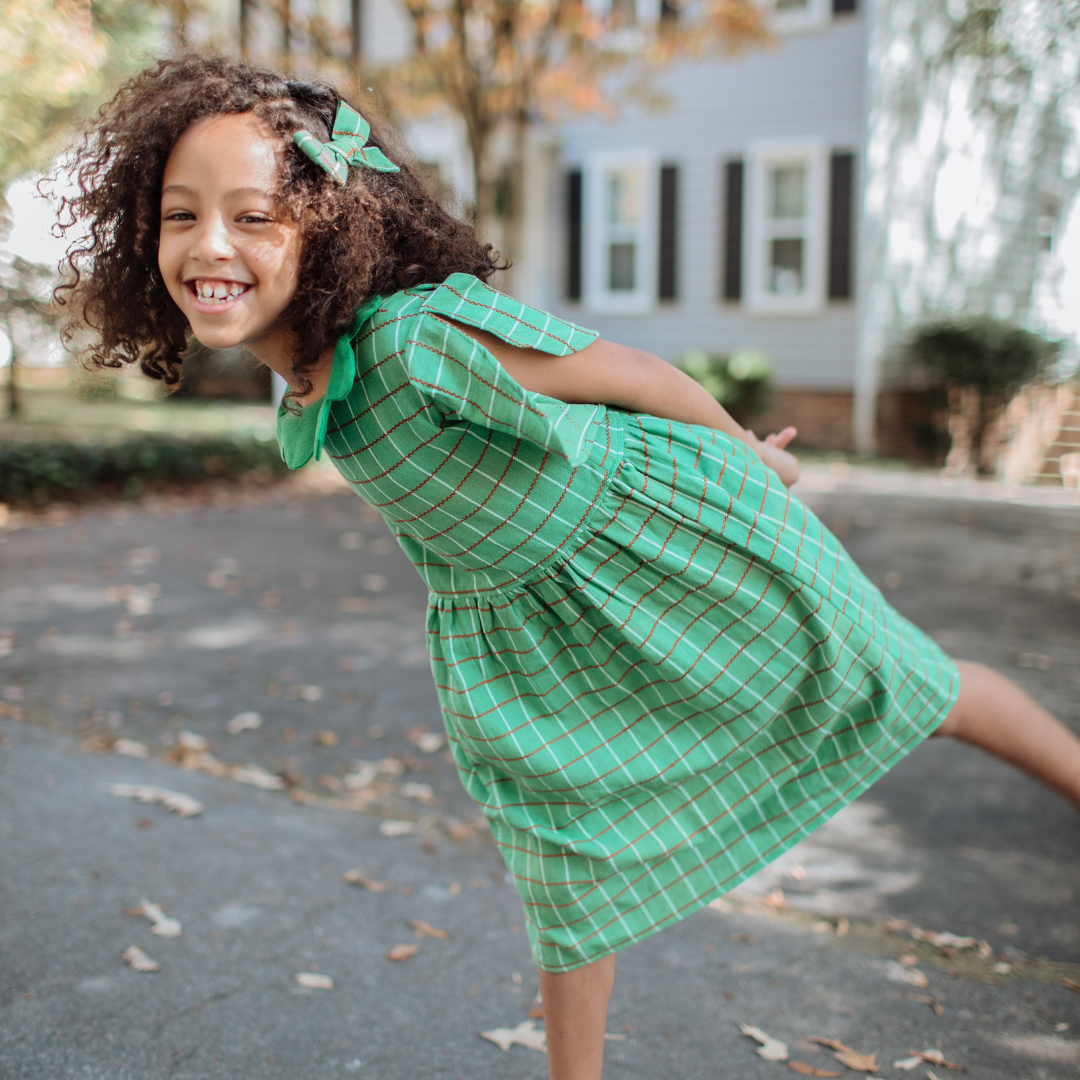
{"x": 989, "y": 358}
{"x": 33, "y": 473}
{"x": 741, "y": 382}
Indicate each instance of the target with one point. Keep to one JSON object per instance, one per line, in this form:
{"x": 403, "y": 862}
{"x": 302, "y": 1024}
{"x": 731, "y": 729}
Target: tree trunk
{"x": 14, "y": 397}
{"x": 484, "y": 183}
{"x": 514, "y": 210}
{"x": 245, "y": 28}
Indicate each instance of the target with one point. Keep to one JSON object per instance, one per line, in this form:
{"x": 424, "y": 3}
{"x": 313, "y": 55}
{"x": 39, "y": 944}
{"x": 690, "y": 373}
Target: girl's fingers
{"x": 782, "y": 438}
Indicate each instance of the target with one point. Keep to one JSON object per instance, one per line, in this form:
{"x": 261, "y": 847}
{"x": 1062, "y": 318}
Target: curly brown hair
{"x": 380, "y": 233}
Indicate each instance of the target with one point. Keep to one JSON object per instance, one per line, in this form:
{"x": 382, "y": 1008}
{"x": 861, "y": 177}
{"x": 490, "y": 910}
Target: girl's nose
{"x": 212, "y": 243}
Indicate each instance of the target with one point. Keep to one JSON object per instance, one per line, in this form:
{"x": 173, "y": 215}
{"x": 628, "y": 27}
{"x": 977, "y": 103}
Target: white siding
{"x": 810, "y": 86}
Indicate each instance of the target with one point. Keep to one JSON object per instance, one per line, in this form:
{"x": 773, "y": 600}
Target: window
{"x": 785, "y": 250}
{"x": 795, "y": 15}
{"x": 620, "y": 263}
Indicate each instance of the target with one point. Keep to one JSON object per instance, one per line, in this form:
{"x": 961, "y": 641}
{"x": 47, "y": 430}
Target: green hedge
{"x": 34, "y": 473}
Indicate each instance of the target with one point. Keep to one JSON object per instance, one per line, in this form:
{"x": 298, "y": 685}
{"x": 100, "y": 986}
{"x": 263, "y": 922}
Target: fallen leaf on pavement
{"x": 926, "y": 999}
{"x": 1070, "y": 985}
{"x": 176, "y": 801}
{"x": 895, "y": 972}
{"x": 427, "y": 742}
{"x": 356, "y": 877}
{"x": 809, "y": 1070}
{"x": 397, "y": 828}
{"x": 131, "y": 748}
{"x": 245, "y": 721}
{"x": 908, "y": 1063}
{"x": 164, "y": 925}
{"x": 420, "y": 792}
{"x": 941, "y": 939}
{"x": 313, "y": 981}
{"x": 525, "y": 1034}
{"x": 136, "y": 958}
{"x": 402, "y": 952}
{"x": 192, "y": 742}
{"x": 366, "y": 772}
{"x": 848, "y": 1056}
{"x": 770, "y": 1049}
{"x": 427, "y": 930}
{"x": 97, "y": 743}
{"x": 936, "y": 1057}
{"x": 945, "y": 940}
{"x": 326, "y": 738}
{"x": 457, "y": 830}
{"x": 256, "y": 776}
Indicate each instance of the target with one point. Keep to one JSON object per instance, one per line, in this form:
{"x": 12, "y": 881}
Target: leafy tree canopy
{"x": 58, "y": 58}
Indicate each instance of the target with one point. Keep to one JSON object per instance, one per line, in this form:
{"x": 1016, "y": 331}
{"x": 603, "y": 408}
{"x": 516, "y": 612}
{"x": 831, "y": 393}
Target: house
{"x": 888, "y": 162}
{"x": 731, "y": 218}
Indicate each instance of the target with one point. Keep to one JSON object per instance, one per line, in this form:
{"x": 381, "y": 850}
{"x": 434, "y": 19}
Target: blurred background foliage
{"x": 58, "y": 59}
{"x": 972, "y": 367}
{"x": 741, "y": 381}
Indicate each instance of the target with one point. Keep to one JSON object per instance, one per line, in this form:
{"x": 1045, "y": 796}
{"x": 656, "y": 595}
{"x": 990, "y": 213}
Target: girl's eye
{"x": 255, "y": 219}
{"x": 179, "y": 215}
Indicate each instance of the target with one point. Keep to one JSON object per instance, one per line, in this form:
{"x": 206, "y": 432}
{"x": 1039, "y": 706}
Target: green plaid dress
{"x": 658, "y": 670}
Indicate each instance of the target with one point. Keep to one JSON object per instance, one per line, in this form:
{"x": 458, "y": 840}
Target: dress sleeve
{"x": 464, "y": 380}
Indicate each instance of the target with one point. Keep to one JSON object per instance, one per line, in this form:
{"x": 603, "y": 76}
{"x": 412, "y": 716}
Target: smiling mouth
{"x": 215, "y": 291}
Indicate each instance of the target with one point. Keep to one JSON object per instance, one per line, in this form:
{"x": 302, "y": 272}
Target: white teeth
{"x": 216, "y": 292}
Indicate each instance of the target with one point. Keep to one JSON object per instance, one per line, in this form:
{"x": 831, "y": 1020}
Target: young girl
{"x": 658, "y": 670}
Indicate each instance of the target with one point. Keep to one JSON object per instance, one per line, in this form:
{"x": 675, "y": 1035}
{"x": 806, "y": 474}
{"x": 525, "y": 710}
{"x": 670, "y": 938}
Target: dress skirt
{"x": 700, "y": 679}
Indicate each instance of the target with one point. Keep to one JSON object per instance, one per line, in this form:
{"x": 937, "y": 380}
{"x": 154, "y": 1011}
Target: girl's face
{"x": 227, "y": 252}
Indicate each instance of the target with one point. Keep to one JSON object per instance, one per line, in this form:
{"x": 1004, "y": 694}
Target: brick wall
{"x": 824, "y": 418}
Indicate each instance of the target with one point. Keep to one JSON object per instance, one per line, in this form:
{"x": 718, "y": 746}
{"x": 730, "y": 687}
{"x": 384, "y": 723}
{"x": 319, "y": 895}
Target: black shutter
{"x": 843, "y": 7}
{"x": 733, "y": 229}
{"x": 841, "y": 190}
{"x": 669, "y": 224}
{"x": 573, "y": 234}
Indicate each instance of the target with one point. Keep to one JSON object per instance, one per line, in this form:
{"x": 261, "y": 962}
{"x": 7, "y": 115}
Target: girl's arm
{"x": 631, "y": 379}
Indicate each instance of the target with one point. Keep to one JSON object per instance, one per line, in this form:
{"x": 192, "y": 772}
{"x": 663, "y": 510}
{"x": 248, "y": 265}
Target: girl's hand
{"x": 773, "y": 454}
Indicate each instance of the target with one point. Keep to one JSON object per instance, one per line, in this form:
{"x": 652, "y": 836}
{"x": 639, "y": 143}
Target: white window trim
{"x": 598, "y": 298}
{"x": 760, "y": 156}
{"x": 816, "y": 16}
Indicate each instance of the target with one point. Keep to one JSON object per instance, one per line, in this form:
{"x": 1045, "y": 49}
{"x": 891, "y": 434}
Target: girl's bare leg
{"x": 575, "y": 1013}
{"x": 993, "y": 713}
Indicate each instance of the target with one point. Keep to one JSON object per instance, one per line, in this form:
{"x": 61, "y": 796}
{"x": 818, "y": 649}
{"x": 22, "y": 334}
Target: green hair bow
{"x": 346, "y": 147}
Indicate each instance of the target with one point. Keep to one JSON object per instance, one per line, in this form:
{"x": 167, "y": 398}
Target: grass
{"x": 57, "y": 404}
{"x": 78, "y": 437}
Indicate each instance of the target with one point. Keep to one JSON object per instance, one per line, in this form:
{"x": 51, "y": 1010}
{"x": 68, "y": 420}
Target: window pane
{"x": 624, "y": 12}
{"x": 786, "y": 267}
{"x": 790, "y": 5}
{"x": 621, "y": 267}
{"x": 623, "y": 197}
{"x": 788, "y": 194}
